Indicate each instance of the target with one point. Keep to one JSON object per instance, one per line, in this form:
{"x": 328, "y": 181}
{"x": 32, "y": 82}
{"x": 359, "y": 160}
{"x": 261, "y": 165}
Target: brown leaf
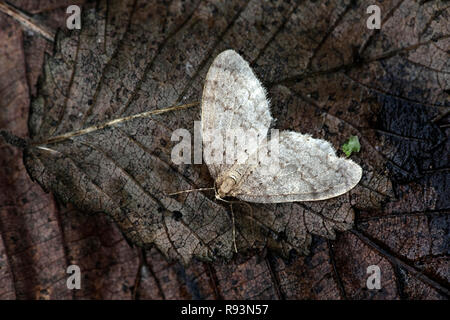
{"x": 326, "y": 76}
{"x": 31, "y": 256}
{"x": 125, "y": 170}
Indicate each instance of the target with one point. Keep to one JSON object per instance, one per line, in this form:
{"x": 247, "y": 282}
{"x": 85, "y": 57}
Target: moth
{"x": 308, "y": 169}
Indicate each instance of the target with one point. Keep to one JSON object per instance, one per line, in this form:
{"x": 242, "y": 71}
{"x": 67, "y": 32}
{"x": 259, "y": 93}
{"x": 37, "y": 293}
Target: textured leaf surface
{"x": 387, "y": 91}
{"x": 126, "y": 170}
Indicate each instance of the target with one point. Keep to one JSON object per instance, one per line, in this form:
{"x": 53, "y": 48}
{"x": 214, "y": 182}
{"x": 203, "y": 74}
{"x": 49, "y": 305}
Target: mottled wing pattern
{"x": 233, "y": 98}
{"x": 308, "y": 170}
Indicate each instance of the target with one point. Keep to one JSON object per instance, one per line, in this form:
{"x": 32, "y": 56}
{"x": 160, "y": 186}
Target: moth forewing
{"x": 233, "y": 99}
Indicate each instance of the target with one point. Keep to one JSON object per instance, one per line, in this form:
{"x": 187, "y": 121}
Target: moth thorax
{"x": 226, "y": 184}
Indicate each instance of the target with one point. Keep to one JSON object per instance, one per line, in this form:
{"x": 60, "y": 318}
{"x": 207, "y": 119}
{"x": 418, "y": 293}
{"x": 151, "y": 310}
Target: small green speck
{"x": 352, "y": 145}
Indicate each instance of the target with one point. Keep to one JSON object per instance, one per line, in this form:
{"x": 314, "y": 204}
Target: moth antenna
{"x": 190, "y": 190}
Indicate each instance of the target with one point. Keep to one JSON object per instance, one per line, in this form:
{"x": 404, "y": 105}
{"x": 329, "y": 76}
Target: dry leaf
{"x": 326, "y": 76}
{"x": 125, "y": 170}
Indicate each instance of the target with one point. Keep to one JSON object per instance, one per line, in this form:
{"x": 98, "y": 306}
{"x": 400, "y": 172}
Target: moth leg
{"x": 234, "y": 227}
{"x": 251, "y": 215}
{"x": 232, "y": 221}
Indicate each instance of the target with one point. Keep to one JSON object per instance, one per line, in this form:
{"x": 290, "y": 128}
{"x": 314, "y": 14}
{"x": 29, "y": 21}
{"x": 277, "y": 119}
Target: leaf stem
{"x": 27, "y": 21}
{"x": 111, "y": 123}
